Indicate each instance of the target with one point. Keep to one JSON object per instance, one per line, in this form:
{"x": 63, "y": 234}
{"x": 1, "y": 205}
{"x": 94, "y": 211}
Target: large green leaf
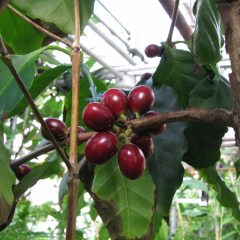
{"x": 18, "y": 34}
{"x": 165, "y": 164}
{"x": 207, "y": 38}
{"x": 225, "y": 196}
{"x": 128, "y": 204}
{"x": 40, "y": 82}
{"x": 214, "y": 93}
{"x": 205, "y": 139}
{"x": 177, "y": 70}
{"x": 59, "y": 12}
{"x": 7, "y": 180}
{"x": 204, "y": 142}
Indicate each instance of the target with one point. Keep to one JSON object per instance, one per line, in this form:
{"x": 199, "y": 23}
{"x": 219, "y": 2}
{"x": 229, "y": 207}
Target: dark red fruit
{"x": 145, "y": 76}
{"x": 22, "y": 171}
{"x": 131, "y": 161}
{"x": 79, "y": 133}
{"x": 153, "y": 50}
{"x": 141, "y": 99}
{"x": 158, "y": 129}
{"x": 57, "y": 127}
{"x": 116, "y": 100}
{"x": 145, "y": 143}
{"x": 97, "y": 117}
{"x": 101, "y": 147}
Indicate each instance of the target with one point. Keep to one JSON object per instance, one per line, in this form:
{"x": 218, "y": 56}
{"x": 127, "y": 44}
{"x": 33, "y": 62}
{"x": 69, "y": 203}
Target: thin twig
{"x": 173, "y": 23}
{"x": 214, "y": 116}
{"x": 73, "y": 179}
{"x": 34, "y": 154}
{"x": 48, "y": 148}
{"x": 182, "y": 25}
{"x": 35, "y": 25}
{"x": 8, "y": 62}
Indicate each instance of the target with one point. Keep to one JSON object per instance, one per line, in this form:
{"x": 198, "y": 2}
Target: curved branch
{"x": 218, "y": 116}
{"x": 214, "y": 116}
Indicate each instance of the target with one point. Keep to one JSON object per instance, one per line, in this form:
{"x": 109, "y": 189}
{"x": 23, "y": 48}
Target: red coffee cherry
{"x": 22, "y": 171}
{"x": 101, "y": 147}
{"x": 153, "y": 50}
{"x": 131, "y": 161}
{"x": 116, "y": 100}
{"x": 97, "y": 117}
{"x": 141, "y": 99}
{"x": 145, "y": 143}
{"x": 158, "y": 129}
{"x": 57, "y": 127}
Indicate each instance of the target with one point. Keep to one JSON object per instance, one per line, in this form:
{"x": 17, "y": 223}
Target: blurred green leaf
{"x": 225, "y": 196}
{"x": 207, "y": 38}
{"x": 59, "y": 12}
{"x": 16, "y": 33}
{"x": 7, "y": 180}
{"x": 39, "y": 171}
{"x": 40, "y": 82}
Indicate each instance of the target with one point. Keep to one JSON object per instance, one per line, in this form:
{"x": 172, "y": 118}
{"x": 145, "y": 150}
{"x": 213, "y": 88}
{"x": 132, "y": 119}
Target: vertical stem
{"x": 73, "y": 173}
{"x": 174, "y": 17}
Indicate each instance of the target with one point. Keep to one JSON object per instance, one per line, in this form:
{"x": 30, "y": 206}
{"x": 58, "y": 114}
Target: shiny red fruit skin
{"x": 141, "y": 99}
{"x": 145, "y": 76}
{"x": 22, "y": 171}
{"x": 57, "y": 127}
{"x": 80, "y": 131}
{"x": 158, "y": 129}
{"x": 145, "y": 143}
{"x": 116, "y": 100}
{"x": 131, "y": 161}
{"x": 153, "y": 50}
{"x": 101, "y": 147}
{"x": 97, "y": 117}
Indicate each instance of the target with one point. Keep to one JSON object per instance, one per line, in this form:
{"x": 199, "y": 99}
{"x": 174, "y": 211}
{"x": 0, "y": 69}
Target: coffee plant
{"x": 126, "y": 149}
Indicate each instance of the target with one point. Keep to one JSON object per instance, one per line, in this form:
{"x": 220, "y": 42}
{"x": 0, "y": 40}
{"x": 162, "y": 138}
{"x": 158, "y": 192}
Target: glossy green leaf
{"x": 177, "y": 70}
{"x": 18, "y": 34}
{"x": 165, "y": 164}
{"x": 7, "y": 180}
{"x": 204, "y": 142}
{"x": 211, "y": 94}
{"x": 207, "y": 38}
{"x": 59, "y": 12}
{"x": 40, "y": 82}
{"x": 225, "y": 196}
{"x": 130, "y": 202}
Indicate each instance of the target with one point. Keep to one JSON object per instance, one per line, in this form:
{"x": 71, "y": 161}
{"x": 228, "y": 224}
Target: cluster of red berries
{"x": 103, "y": 116}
